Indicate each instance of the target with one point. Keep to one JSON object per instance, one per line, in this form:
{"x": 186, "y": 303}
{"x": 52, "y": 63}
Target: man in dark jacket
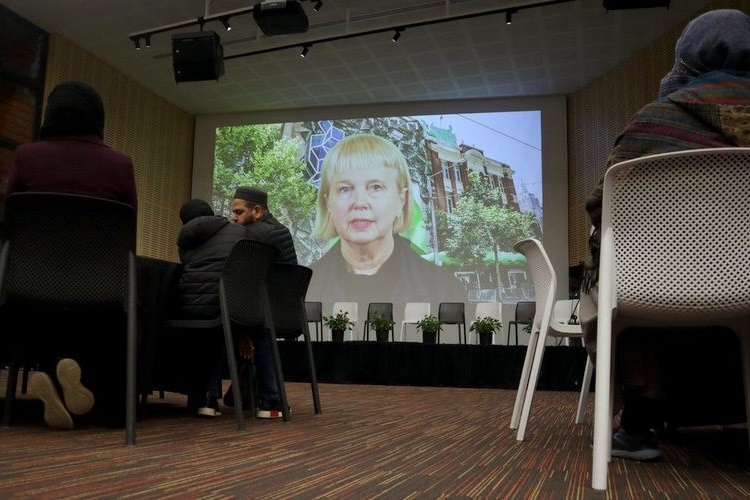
{"x": 204, "y": 244}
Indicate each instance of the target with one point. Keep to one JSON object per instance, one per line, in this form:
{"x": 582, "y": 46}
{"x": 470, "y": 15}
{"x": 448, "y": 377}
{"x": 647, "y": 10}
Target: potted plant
{"x": 382, "y": 326}
{"x": 339, "y": 323}
{"x": 485, "y": 326}
{"x": 430, "y": 325}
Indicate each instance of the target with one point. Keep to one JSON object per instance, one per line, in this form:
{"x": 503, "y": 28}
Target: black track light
{"x": 225, "y": 22}
{"x": 148, "y": 41}
{"x": 137, "y": 42}
{"x": 509, "y": 17}
{"x": 305, "y": 50}
{"x": 397, "y": 35}
{"x": 317, "y": 6}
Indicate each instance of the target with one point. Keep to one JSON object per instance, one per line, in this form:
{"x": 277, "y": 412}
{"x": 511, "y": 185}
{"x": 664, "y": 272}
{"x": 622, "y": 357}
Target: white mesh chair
{"x": 674, "y": 252}
{"x": 413, "y": 312}
{"x": 485, "y": 309}
{"x": 352, "y": 309}
{"x": 545, "y": 286}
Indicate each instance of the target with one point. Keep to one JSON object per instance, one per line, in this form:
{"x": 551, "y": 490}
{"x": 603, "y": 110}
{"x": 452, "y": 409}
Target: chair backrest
{"x": 452, "y": 313}
{"x": 67, "y": 250}
{"x": 544, "y": 279}
{"x": 382, "y": 309}
{"x": 566, "y": 312}
{"x": 489, "y": 309}
{"x": 243, "y": 283}
{"x": 674, "y": 236}
{"x": 525, "y": 311}
{"x": 415, "y": 311}
{"x": 314, "y": 312}
{"x": 287, "y": 287}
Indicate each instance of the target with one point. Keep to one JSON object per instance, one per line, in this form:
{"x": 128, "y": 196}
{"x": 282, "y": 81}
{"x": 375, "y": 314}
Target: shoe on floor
{"x": 55, "y": 413}
{"x": 270, "y": 409}
{"x": 78, "y": 398}
{"x": 642, "y": 446}
{"x": 210, "y": 408}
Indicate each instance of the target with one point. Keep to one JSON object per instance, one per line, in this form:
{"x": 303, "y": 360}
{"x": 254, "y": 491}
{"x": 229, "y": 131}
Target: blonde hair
{"x": 362, "y": 151}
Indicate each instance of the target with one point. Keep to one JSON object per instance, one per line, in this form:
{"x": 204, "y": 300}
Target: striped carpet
{"x": 370, "y": 442}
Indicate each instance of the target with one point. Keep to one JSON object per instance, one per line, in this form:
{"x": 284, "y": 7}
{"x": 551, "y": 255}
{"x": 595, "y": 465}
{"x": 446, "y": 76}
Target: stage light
{"x": 225, "y": 22}
{"x": 317, "y": 6}
{"x": 148, "y": 41}
{"x": 397, "y": 35}
{"x": 508, "y": 17}
{"x": 137, "y": 42}
{"x": 305, "y": 50}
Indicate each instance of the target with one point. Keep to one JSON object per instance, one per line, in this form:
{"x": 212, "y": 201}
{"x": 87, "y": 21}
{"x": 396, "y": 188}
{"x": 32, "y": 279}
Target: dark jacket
{"x": 269, "y": 230}
{"x": 204, "y": 244}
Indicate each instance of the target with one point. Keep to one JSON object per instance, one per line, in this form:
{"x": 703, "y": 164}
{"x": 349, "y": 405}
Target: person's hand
{"x": 245, "y": 347}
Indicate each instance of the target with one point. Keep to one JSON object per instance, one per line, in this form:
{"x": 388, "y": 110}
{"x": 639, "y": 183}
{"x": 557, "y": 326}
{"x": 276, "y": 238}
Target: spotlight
{"x": 508, "y": 17}
{"x": 225, "y": 22}
{"x": 148, "y": 41}
{"x": 397, "y": 35}
{"x": 305, "y": 50}
{"x": 317, "y": 6}
{"x": 137, "y": 42}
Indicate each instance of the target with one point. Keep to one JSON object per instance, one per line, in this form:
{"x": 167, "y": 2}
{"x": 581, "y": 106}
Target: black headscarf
{"x": 73, "y": 108}
{"x": 718, "y": 40}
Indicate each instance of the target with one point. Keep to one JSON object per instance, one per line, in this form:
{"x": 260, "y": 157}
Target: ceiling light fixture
{"x": 305, "y": 50}
{"x": 137, "y": 42}
{"x": 317, "y": 6}
{"x": 509, "y": 17}
{"x": 225, "y": 22}
{"x": 397, "y": 35}
{"x": 148, "y": 41}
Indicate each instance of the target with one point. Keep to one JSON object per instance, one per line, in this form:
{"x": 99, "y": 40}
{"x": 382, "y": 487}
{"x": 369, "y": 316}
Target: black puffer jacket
{"x": 269, "y": 230}
{"x": 204, "y": 244}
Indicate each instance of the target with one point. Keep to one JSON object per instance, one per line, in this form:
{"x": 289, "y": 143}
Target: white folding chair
{"x": 545, "y": 285}
{"x": 674, "y": 252}
{"x": 487, "y": 309}
{"x": 413, "y": 312}
{"x": 352, "y": 309}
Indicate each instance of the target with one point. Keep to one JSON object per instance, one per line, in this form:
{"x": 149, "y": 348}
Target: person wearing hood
{"x": 71, "y": 157}
{"x": 204, "y": 243}
{"x": 703, "y": 102}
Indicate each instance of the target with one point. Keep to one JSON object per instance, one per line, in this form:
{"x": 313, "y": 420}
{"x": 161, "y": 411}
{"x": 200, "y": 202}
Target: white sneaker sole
{"x": 55, "y": 414}
{"x": 78, "y": 398}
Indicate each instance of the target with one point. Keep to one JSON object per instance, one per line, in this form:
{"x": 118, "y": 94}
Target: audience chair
{"x": 244, "y": 298}
{"x": 382, "y": 309}
{"x": 69, "y": 252}
{"x": 453, "y": 313}
{"x": 287, "y": 287}
{"x": 545, "y": 285}
{"x": 352, "y": 309}
{"x": 314, "y": 314}
{"x": 487, "y": 309}
{"x": 525, "y": 312}
{"x": 674, "y": 252}
{"x": 413, "y": 312}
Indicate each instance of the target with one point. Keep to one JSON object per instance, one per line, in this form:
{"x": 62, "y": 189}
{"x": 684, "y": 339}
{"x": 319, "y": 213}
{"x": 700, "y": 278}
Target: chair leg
{"x": 279, "y": 374}
{"x": 25, "y": 379}
{"x": 523, "y": 382}
{"x": 585, "y": 388}
{"x": 10, "y": 391}
{"x": 531, "y": 385}
{"x": 232, "y": 362}
{"x": 313, "y": 375}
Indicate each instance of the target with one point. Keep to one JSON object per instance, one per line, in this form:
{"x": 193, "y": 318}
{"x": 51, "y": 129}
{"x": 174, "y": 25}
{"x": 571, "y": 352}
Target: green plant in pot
{"x": 485, "y": 326}
{"x": 382, "y": 326}
{"x": 339, "y": 323}
{"x": 430, "y": 325}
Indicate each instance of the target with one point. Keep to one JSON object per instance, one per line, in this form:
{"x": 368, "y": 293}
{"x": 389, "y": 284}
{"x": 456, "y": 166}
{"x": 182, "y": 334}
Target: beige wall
{"x": 598, "y": 113}
{"x": 156, "y": 134}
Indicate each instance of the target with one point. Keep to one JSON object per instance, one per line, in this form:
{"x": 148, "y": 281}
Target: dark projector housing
{"x": 197, "y": 56}
{"x": 280, "y": 17}
{"x": 634, "y": 4}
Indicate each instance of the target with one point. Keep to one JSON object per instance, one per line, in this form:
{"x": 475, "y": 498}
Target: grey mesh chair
{"x": 314, "y": 314}
{"x": 382, "y": 309}
{"x": 244, "y": 298}
{"x": 287, "y": 287}
{"x": 453, "y": 313}
{"x": 674, "y": 252}
{"x": 66, "y": 252}
{"x": 525, "y": 311}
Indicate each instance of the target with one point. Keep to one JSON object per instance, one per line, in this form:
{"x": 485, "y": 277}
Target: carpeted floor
{"x": 370, "y": 442}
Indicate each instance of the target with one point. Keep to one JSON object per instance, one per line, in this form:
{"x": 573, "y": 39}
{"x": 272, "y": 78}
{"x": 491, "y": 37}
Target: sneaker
{"x": 270, "y": 409}
{"x": 211, "y": 407}
{"x": 641, "y": 446}
{"x": 78, "y": 398}
{"x": 55, "y": 413}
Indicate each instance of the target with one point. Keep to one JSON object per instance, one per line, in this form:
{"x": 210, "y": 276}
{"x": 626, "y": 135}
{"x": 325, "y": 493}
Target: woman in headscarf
{"x": 704, "y": 102}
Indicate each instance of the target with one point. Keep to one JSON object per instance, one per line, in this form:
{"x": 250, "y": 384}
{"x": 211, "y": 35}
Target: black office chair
{"x": 68, "y": 253}
{"x": 287, "y": 287}
{"x": 525, "y": 312}
{"x": 453, "y": 313}
{"x": 382, "y": 309}
{"x": 314, "y": 314}
{"x": 244, "y": 298}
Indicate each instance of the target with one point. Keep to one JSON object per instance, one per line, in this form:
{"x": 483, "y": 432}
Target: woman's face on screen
{"x": 363, "y": 203}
